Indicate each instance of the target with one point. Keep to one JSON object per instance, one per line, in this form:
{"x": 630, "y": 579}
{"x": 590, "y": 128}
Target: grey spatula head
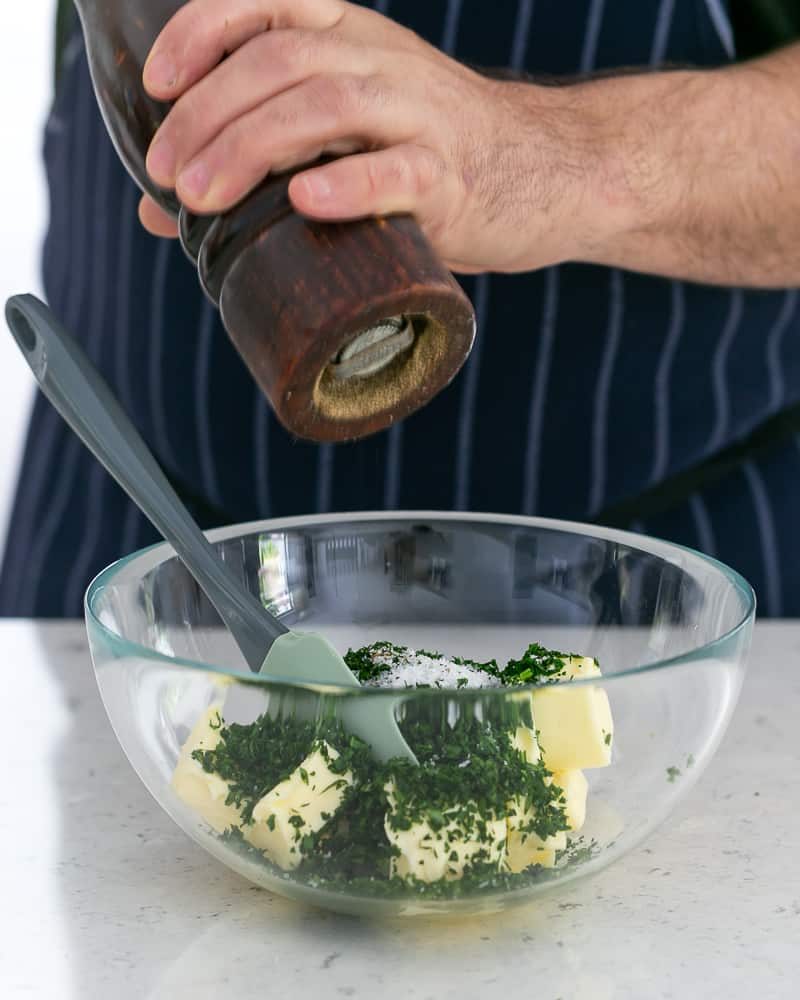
{"x": 73, "y": 385}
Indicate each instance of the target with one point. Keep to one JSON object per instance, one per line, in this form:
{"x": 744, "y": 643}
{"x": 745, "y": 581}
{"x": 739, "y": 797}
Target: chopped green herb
{"x": 470, "y": 796}
{"x": 578, "y": 852}
{"x": 673, "y": 773}
{"x": 536, "y": 665}
{"x": 469, "y": 770}
{"x": 253, "y": 759}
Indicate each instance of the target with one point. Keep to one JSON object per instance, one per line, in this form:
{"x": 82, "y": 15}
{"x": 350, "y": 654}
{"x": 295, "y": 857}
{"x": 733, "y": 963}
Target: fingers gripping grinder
{"x": 347, "y": 328}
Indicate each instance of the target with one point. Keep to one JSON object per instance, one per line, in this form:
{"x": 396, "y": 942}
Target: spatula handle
{"x": 73, "y": 385}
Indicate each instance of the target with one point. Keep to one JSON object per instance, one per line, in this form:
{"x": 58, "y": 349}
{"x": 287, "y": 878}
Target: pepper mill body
{"x": 346, "y": 327}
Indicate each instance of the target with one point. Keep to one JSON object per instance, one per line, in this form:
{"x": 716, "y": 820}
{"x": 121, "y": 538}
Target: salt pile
{"x": 409, "y": 668}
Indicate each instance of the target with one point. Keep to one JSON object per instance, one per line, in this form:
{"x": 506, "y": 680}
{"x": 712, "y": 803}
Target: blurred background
{"x": 26, "y": 77}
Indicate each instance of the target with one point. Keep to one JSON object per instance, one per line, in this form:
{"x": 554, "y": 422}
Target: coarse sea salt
{"x": 409, "y": 668}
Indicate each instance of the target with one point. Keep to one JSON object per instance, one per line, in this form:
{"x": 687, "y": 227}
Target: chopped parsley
{"x": 467, "y": 776}
{"x": 536, "y": 665}
{"x": 253, "y": 759}
{"x": 469, "y": 771}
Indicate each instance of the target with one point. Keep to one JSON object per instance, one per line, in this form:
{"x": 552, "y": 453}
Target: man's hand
{"x": 423, "y": 134}
{"x": 690, "y": 174}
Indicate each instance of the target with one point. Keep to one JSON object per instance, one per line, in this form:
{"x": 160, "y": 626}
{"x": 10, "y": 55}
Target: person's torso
{"x": 586, "y": 384}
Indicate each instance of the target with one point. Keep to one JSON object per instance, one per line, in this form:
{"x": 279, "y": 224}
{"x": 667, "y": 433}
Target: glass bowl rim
{"x": 126, "y": 648}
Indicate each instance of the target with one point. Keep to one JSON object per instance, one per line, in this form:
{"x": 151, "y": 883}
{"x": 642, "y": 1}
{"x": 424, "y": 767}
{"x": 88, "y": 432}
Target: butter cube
{"x": 575, "y": 788}
{"x": 445, "y": 853}
{"x": 203, "y": 792}
{"x": 574, "y": 726}
{"x": 298, "y": 806}
{"x": 526, "y": 849}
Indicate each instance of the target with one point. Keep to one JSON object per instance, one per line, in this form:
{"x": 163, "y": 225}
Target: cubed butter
{"x": 445, "y": 853}
{"x": 575, "y": 789}
{"x": 524, "y": 849}
{"x": 203, "y": 792}
{"x": 299, "y": 806}
{"x": 574, "y": 726}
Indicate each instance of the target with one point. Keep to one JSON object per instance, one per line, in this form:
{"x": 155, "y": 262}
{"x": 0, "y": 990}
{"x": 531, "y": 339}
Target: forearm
{"x": 690, "y": 174}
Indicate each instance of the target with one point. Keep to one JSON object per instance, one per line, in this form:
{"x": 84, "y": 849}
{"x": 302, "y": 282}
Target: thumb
{"x": 155, "y": 220}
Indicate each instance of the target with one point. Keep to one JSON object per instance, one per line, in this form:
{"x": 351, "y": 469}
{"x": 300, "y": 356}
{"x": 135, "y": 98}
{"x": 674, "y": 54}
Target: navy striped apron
{"x": 617, "y": 381}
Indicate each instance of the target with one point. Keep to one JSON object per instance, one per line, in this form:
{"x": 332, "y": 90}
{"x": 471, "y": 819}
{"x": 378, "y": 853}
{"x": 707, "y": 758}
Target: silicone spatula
{"x": 76, "y": 389}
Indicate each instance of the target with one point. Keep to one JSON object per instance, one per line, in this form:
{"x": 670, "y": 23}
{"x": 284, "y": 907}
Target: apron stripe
{"x": 261, "y": 420}
{"x": 777, "y": 387}
{"x": 666, "y": 12}
{"x": 466, "y": 423}
{"x": 772, "y": 596}
{"x": 522, "y": 33}
{"x": 661, "y": 391}
{"x": 703, "y": 526}
{"x": 722, "y": 25}
{"x": 72, "y": 464}
{"x": 600, "y": 424}
{"x": 122, "y": 325}
{"x": 541, "y": 378}
{"x": 451, "y": 25}
{"x": 719, "y": 374}
{"x": 158, "y": 344}
{"x": 592, "y": 36}
{"x": 202, "y": 403}
{"x": 130, "y": 527}
{"x": 394, "y": 462}
{"x": 325, "y": 463}
{"x": 96, "y": 499}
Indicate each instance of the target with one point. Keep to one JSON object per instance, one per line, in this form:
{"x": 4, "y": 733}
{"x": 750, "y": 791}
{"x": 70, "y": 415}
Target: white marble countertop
{"x": 103, "y": 897}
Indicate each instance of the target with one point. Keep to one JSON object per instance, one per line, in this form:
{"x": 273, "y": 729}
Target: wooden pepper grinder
{"x": 346, "y": 327}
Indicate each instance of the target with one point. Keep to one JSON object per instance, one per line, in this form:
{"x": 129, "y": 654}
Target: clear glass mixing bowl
{"x": 670, "y": 628}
